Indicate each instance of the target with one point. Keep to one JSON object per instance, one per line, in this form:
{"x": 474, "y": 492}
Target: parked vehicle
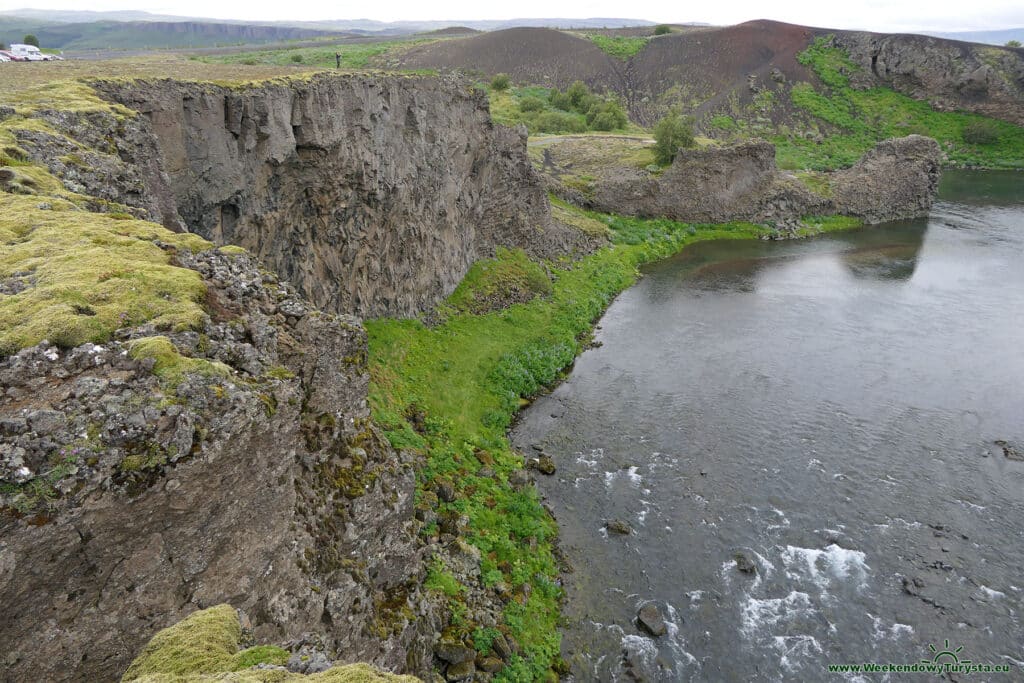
{"x": 31, "y": 53}
{"x": 4, "y": 58}
{"x": 13, "y": 57}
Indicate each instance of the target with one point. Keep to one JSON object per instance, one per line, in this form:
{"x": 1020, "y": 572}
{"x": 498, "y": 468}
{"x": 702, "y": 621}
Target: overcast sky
{"x": 877, "y": 15}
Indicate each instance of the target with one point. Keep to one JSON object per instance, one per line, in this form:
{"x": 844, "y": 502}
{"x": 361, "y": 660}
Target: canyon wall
{"x": 371, "y": 194}
{"x": 951, "y": 75}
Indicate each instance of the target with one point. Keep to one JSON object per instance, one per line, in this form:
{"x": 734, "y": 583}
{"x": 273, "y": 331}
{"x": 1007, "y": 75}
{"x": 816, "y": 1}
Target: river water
{"x": 828, "y": 408}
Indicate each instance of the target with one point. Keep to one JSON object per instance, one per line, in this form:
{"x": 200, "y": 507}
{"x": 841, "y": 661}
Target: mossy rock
{"x": 90, "y": 275}
{"x": 204, "y": 647}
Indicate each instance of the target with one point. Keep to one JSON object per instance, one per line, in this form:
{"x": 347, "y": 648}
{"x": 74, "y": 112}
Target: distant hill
{"x": 709, "y": 70}
{"x": 148, "y": 34}
{"x": 1000, "y": 37}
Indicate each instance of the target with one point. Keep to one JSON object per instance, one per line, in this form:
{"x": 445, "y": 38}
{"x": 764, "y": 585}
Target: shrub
{"x": 531, "y": 104}
{"x": 1013, "y": 43}
{"x": 579, "y": 96}
{"x": 30, "y": 39}
{"x": 559, "y": 100}
{"x": 607, "y": 115}
{"x": 981, "y": 133}
{"x": 296, "y": 58}
{"x": 662, "y": 29}
{"x": 673, "y": 132}
{"x": 560, "y": 122}
{"x": 500, "y": 82}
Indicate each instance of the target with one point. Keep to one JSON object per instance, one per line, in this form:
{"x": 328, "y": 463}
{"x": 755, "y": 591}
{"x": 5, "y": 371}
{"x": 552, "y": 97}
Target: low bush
{"x": 500, "y": 82}
{"x": 981, "y": 133}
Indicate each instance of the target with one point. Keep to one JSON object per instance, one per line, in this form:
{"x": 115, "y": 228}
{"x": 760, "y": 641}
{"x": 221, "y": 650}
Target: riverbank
{"x": 450, "y": 390}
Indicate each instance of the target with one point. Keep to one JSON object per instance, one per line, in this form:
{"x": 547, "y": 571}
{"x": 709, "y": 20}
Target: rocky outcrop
{"x": 897, "y": 179}
{"x": 135, "y": 494}
{"x": 371, "y": 194}
{"x": 949, "y": 74}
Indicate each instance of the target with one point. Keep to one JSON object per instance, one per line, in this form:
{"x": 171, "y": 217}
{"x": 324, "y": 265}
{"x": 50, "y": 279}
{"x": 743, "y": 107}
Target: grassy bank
{"x": 848, "y": 122}
{"x": 451, "y": 391}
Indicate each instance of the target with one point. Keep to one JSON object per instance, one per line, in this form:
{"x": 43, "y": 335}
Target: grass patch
{"x": 858, "y": 119}
{"x": 86, "y": 275}
{"x": 353, "y": 56}
{"x": 470, "y": 374}
{"x": 621, "y": 47}
{"x": 510, "y": 277}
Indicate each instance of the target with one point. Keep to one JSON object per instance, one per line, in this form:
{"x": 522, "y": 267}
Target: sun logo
{"x": 950, "y": 656}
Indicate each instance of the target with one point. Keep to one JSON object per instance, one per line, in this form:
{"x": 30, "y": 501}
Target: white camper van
{"x": 29, "y": 52}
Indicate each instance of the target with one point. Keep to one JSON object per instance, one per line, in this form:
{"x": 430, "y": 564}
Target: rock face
{"x": 897, "y": 179}
{"x": 951, "y": 75}
{"x": 371, "y": 194}
{"x": 264, "y": 485}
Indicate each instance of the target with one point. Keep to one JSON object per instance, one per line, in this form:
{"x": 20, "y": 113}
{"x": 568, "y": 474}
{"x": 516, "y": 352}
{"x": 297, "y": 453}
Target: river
{"x": 832, "y": 410}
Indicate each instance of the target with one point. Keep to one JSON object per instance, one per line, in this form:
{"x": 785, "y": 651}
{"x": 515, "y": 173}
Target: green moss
{"x": 88, "y": 275}
{"x": 232, "y": 250}
{"x": 204, "y": 648}
{"x": 204, "y": 642}
{"x": 170, "y": 365}
{"x": 261, "y": 654}
{"x": 818, "y": 183}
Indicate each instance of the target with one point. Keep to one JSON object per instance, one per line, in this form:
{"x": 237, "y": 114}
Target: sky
{"x": 875, "y": 15}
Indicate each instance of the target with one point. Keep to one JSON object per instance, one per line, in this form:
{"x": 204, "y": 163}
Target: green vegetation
{"x": 491, "y": 283}
{"x": 855, "y": 120}
{"x": 1013, "y": 43}
{"x": 577, "y": 110}
{"x": 463, "y": 380}
{"x": 86, "y": 275}
{"x": 30, "y": 39}
{"x": 662, "y": 29}
{"x": 169, "y": 364}
{"x": 500, "y": 82}
{"x": 672, "y": 133}
{"x": 622, "y": 47}
{"x": 353, "y": 56}
{"x": 205, "y": 646}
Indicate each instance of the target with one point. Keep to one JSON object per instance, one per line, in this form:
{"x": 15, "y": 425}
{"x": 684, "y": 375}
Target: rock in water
{"x": 650, "y": 620}
{"x": 744, "y": 563}
{"x": 545, "y": 465}
{"x": 617, "y": 526}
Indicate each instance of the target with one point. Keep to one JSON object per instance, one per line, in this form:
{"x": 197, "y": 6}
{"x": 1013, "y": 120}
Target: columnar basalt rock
{"x": 371, "y": 194}
{"x": 897, "y": 179}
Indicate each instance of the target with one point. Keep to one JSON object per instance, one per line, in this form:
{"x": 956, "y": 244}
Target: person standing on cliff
{"x": 337, "y": 59}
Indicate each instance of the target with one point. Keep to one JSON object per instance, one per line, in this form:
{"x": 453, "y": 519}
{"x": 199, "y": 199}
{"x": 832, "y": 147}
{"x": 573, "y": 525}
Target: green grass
{"x": 621, "y": 47}
{"x": 353, "y": 56}
{"x": 855, "y": 120}
{"x": 470, "y": 374}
